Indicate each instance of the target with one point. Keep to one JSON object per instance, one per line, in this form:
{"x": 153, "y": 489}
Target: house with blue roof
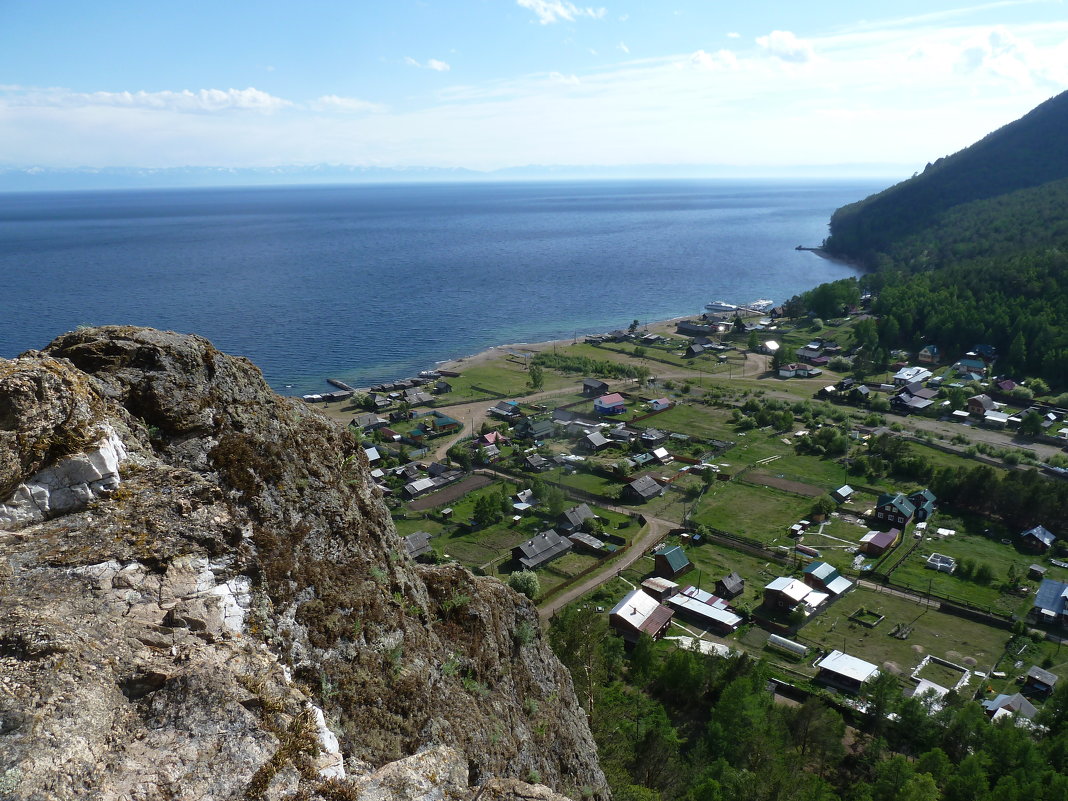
{"x": 1037, "y": 540}
{"x": 1049, "y": 605}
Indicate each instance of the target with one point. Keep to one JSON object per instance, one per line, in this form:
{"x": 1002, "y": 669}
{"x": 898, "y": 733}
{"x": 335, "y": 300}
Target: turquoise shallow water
{"x": 370, "y": 283}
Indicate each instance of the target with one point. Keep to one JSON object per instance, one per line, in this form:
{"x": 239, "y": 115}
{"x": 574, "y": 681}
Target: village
{"x": 735, "y": 486}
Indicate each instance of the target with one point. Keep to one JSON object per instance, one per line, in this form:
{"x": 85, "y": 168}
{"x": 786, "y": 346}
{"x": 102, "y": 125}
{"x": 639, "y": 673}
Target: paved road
{"x": 654, "y": 530}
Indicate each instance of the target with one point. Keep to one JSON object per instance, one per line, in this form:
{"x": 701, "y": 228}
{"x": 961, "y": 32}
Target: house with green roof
{"x": 671, "y": 562}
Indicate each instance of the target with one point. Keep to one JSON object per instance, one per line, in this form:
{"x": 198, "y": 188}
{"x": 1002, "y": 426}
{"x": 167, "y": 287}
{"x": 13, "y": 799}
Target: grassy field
{"x": 760, "y": 513}
{"x": 502, "y": 376}
{"x": 703, "y": 422}
{"x": 945, "y": 636}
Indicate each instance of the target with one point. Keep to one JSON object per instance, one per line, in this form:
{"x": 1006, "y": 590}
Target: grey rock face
{"x": 213, "y": 602}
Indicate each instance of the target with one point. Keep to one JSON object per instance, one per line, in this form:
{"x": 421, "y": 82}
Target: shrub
{"x": 525, "y": 582}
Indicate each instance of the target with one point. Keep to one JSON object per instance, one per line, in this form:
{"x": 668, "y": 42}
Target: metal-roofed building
{"x": 639, "y": 614}
{"x": 541, "y": 549}
{"x": 846, "y": 672}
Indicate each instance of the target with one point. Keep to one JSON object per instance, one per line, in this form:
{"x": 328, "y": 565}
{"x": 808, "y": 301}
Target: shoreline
{"x": 488, "y": 354}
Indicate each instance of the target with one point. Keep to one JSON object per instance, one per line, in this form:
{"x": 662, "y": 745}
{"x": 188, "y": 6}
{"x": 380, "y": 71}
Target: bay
{"x": 374, "y": 283}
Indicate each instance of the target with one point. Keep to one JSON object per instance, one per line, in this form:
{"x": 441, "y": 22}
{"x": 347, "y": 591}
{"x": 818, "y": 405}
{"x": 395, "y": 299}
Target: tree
{"x": 784, "y": 355}
{"x": 739, "y": 324}
{"x": 633, "y": 326}
{"x": 639, "y": 351}
{"x": 526, "y": 583}
{"x": 1031, "y": 424}
{"x": 487, "y": 511}
{"x": 753, "y": 342}
{"x": 461, "y": 455}
{"x": 535, "y": 376}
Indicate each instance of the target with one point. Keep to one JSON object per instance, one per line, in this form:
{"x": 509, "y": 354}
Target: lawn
{"x": 759, "y": 513}
{"x": 952, "y": 638}
{"x": 981, "y": 542}
{"x": 500, "y": 376}
{"x": 702, "y": 422}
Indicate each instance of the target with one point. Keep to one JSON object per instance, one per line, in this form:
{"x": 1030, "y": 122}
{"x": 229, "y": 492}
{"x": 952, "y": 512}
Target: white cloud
{"x": 431, "y": 64}
{"x": 550, "y": 11}
{"x": 557, "y": 77}
{"x": 351, "y": 105}
{"x": 786, "y": 46}
{"x": 623, "y": 46}
{"x": 202, "y": 100}
{"x": 1000, "y": 54}
{"x": 734, "y": 35}
{"x": 721, "y": 59}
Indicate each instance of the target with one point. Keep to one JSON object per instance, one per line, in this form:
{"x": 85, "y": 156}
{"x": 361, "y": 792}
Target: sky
{"x": 491, "y": 84}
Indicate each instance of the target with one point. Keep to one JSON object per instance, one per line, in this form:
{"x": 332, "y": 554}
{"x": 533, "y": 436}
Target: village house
{"x": 642, "y": 489}
{"x": 652, "y": 438}
{"x": 368, "y": 421}
{"x": 493, "y": 438}
{"x": 541, "y": 549}
{"x": 418, "y": 545}
{"x": 1037, "y": 540}
{"x": 909, "y": 375}
{"x": 929, "y": 354}
{"x": 593, "y": 442}
{"x": 637, "y": 614}
{"x": 788, "y": 594}
{"x": 894, "y": 509}
{"x": 1049, "y": 604}
{"x": 876, "y": 543}
{"x": 705, "y": 609}
{"x": 573, "y": 518}
{"x": 825, "y": 577}
{"x": 534, "y": 429}
{"x": 671, "y": 562}
{"x": 845, "y": 672}
{"x": 536, "y": 463}
{"x": 1005, "y": 705}
{"x": 593, "y": 388}
{"x": 979, "y": 405}
{"x": 505, "y": 409}
{"x": 610, "y": 404}
{"x": 660, "y": 404}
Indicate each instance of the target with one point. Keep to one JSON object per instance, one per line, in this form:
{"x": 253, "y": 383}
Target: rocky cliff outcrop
{"x": 203, "y": 597}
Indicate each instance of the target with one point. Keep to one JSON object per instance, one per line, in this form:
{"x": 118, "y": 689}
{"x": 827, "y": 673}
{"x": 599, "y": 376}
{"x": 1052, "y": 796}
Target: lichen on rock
{"x": 237, "y": 618}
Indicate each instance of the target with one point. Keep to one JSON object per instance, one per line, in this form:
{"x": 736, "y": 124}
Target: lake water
{"x": 372, "y": 283}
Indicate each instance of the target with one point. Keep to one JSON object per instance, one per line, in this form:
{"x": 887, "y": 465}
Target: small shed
{"x": 1039, "y": 682}
{"x": 671, "y": 562}
{"x": 843, "y": 493}
{"x": 730, "y": 586}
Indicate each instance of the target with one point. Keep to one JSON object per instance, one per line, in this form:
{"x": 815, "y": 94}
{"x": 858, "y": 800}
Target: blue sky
{"x": 486, "y": 84}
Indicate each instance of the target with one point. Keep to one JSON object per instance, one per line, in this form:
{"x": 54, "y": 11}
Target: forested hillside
{"x": 1031, "y": 152}
{"x": 974, "y": 250}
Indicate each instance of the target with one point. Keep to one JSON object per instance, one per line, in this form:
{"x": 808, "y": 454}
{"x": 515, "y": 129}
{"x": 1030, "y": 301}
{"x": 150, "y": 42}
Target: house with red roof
{"x": 610, "y": 404}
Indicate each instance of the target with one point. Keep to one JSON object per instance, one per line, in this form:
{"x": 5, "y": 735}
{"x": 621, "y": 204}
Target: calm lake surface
{"x": 371, "y": 283}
